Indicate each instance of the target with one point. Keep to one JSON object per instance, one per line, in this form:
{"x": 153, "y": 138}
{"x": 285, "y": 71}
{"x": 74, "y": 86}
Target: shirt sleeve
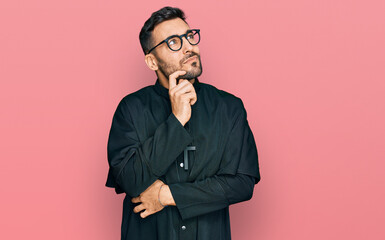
{"x": 211, "y": 194}
{"x": 234, "y": 181}
{"x": 135, "y": 165}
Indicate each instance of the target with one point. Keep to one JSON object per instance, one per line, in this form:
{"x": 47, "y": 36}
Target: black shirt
{"x": 147, "y": 142}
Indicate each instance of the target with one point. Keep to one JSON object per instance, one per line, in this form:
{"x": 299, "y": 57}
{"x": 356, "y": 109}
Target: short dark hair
{"x": 163, "y": 14}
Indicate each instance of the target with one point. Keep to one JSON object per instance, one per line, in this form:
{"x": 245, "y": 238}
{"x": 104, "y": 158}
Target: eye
{"x": 173, "y": 41}
{"x": 190, "y": 35}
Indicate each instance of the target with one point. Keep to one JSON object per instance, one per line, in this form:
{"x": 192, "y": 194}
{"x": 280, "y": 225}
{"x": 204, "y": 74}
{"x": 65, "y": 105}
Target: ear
{"x": 151, "y": 62}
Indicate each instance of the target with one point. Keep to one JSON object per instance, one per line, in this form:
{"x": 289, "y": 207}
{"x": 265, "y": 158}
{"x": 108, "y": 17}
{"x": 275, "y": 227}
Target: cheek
{"x": 196, "y": 49}
{"x": 172, "y": 58}
{"x": 168, "y": 60}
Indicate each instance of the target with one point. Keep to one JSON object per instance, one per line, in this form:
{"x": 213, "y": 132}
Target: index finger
{"x": 135, "y": 200}
{"x": 172, "y": 78}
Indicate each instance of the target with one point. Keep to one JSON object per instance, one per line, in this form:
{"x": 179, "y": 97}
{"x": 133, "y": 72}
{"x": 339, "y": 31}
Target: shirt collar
{"x": 164, "y": 91}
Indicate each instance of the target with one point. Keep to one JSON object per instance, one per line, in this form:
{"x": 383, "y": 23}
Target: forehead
{"x": 168, "y": 28}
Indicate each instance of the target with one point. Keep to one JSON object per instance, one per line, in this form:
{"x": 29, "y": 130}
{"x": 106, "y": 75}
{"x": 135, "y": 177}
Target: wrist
{"x": 180, "y": 120}
{"x": 165, "y": 196}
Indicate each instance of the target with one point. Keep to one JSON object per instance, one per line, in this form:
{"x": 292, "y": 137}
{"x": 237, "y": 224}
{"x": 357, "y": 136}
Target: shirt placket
{"x": 188, "y": 227}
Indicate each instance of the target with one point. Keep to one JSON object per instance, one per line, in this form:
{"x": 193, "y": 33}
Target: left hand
{"x": 149, "y": 200}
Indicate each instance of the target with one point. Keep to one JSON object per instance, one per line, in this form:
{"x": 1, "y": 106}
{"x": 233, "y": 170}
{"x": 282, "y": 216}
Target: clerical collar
{"x": 164, "y": 91}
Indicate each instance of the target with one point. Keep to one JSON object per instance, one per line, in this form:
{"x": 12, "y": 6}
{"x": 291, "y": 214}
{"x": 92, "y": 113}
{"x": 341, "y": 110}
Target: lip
{"x": 191, "y": 59}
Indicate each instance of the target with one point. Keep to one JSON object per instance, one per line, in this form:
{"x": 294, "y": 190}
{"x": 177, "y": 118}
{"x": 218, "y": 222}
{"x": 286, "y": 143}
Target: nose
{"x": 187, "y": 47}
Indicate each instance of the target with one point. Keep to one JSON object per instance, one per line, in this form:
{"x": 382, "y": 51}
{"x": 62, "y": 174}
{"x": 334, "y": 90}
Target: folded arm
{"x": 211, "y": 194}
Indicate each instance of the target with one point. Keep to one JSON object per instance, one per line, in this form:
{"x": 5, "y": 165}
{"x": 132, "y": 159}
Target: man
{"x": 182, "y": 151}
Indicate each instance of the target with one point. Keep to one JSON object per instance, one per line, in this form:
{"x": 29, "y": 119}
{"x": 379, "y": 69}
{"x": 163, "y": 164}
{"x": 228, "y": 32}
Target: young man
{"x": 181, "y": 150}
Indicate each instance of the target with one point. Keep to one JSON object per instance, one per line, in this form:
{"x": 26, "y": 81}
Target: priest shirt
{"x": 209, "y": 164}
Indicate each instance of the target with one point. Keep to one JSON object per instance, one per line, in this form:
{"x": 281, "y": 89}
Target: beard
{"x": 167, "y": 69}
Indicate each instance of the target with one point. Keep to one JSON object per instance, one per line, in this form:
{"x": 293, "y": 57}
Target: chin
{"x": 192, "y": 74}
{"x": 193, "y": 70}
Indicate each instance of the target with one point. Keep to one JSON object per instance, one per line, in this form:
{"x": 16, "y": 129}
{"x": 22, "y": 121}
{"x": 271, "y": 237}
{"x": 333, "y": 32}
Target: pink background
{"x": 311, "y": 75}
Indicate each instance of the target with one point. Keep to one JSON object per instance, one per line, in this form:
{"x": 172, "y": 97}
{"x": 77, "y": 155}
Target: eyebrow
{"x": 178, "y": 34}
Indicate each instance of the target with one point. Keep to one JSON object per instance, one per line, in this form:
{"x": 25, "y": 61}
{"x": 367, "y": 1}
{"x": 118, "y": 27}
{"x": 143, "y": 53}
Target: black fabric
{"x": 146, "y": 143}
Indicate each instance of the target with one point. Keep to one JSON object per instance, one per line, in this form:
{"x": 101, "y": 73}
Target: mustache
{"x": 188, "y": 56}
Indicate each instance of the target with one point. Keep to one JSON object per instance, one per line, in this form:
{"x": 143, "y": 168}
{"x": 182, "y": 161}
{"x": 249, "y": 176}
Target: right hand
{"x": 182, "y": 96}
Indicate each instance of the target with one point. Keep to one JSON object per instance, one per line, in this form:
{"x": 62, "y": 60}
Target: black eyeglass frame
{"x": 181, "y": 40}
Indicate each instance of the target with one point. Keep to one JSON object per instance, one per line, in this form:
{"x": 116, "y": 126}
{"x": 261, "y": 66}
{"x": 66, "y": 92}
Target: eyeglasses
{"x": 175, "y": 42}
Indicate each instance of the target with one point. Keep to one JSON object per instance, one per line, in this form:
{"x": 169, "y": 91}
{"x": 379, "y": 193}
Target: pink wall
{"x": 311, "y": 75}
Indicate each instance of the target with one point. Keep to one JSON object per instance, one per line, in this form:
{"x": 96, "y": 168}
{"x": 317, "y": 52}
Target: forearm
{"x": 211, "y": 194}
{"x": 168, "y": 141}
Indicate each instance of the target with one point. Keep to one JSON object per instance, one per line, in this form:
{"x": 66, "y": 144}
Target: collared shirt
{"x": 147, "y": 142}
